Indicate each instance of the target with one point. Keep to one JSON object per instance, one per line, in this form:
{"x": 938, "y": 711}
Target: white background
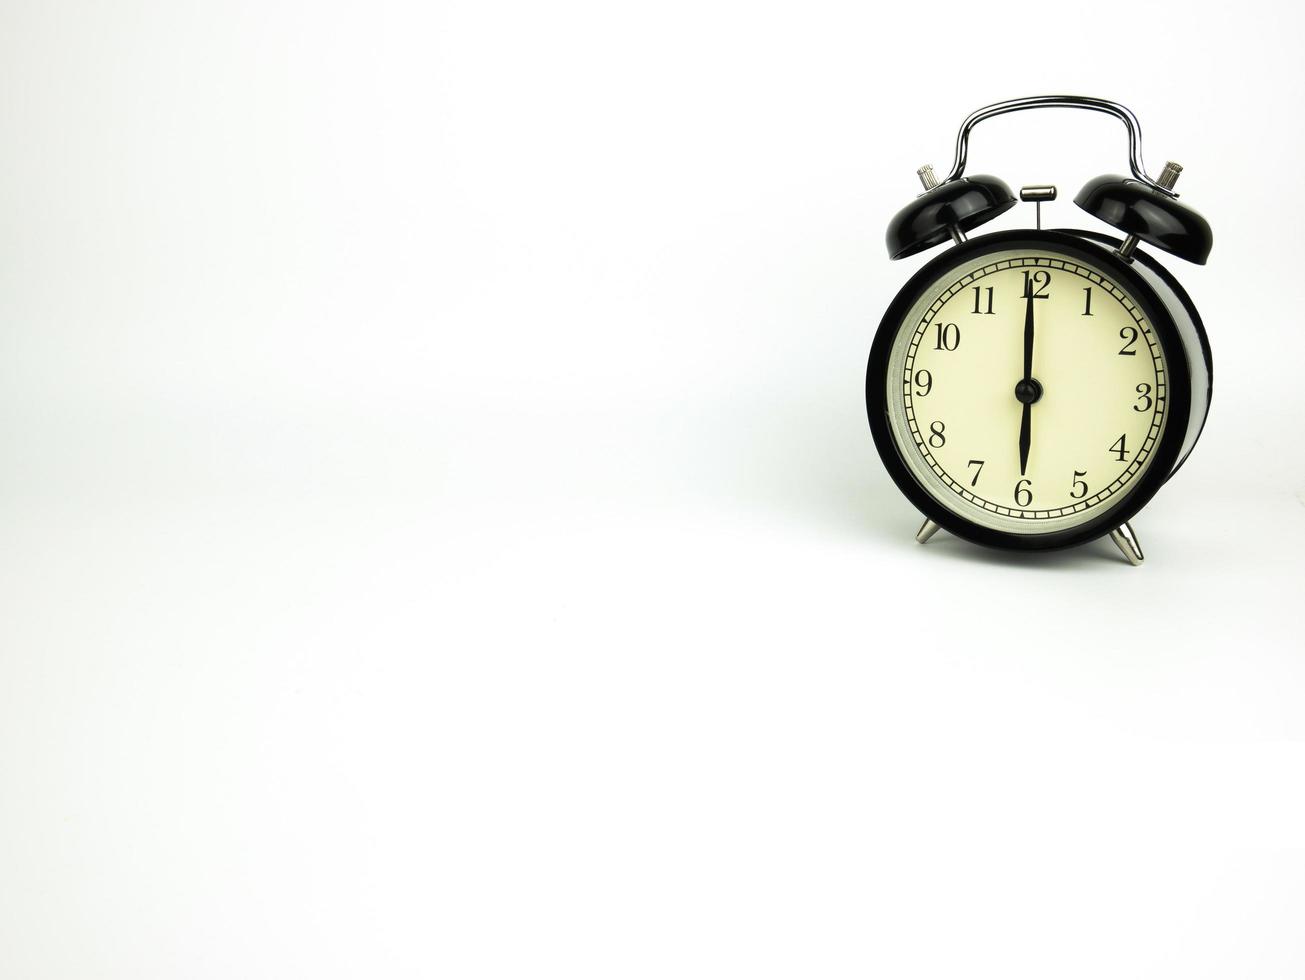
{"x": 441, "y": 536}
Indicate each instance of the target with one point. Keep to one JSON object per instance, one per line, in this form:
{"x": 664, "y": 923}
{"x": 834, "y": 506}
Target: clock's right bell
{"x": 1149, "y": 215}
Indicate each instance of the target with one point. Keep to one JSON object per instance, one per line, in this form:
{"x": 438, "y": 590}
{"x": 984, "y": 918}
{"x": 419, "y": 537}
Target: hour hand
{"x": 1025, "y": 436}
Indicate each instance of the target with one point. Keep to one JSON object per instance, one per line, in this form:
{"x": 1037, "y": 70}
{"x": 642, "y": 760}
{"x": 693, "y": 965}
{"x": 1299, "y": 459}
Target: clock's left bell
{"x": 946, "y": 211}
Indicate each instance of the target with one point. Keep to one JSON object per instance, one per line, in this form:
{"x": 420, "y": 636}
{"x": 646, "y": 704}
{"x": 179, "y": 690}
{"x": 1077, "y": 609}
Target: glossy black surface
{"x": 1136, "y": 209}
{"x": 1165, "y": 456}
{"x": 965, "y": 203}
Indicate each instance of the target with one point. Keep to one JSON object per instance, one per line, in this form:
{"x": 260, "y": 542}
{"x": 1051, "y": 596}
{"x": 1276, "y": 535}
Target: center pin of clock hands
{"x": 1027, "y": 389}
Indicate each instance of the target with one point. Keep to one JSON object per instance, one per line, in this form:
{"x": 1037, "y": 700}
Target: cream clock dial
{"x": 1028, "y": 389}
{"x": 1033, "y": 389}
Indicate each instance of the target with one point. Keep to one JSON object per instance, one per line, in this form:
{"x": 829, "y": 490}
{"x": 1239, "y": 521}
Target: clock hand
{"x": 1026, "y": 415}
{"x": 1025, "y": 419}
{"x": 1028, "y": 335}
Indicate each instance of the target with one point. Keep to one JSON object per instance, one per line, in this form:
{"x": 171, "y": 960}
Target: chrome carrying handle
{"x": 1059, "y": 102}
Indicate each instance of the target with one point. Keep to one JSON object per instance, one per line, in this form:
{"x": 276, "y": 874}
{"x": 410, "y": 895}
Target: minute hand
{"x": 1026, "y": 417}
{"x": 1028, "y": 336}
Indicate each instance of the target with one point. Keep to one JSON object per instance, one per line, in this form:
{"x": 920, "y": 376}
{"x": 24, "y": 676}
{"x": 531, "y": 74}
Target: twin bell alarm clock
{"x": 1033, "y": 389}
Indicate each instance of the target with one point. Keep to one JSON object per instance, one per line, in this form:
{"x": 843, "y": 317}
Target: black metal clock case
{"x": 1145, "y": 210}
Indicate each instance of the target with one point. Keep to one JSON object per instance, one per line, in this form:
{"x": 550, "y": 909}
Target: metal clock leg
{"x": 927, "y": 531}
{"x": 1126, "y": 541}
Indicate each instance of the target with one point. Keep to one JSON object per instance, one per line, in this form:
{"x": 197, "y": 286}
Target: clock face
{"x": 1027, "y": 391}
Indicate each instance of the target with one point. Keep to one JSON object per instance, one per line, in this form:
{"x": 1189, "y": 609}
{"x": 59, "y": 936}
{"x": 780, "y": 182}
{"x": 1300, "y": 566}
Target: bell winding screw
{"x": 1168, "y": 177}
{"x": 929, "y": 181}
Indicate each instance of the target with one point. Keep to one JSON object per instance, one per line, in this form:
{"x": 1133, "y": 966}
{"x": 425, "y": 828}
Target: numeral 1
{"x": 1087, "y": 301}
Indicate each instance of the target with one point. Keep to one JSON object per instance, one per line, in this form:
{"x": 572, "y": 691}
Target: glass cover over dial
{"x": 1026, "y": 391}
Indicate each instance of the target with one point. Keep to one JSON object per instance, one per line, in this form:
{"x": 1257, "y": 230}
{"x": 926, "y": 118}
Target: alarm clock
{"x": 1033, "y": 389}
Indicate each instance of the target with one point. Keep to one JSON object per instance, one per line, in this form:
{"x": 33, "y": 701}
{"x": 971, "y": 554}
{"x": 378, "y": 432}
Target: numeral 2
{"x": 1130, "y": 338}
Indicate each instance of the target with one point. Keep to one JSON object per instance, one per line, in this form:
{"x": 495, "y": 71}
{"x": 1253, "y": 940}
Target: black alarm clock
{"x": 1033, "y": 389}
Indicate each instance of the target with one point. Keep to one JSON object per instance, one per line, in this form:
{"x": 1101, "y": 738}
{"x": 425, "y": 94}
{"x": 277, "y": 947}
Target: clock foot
{"x": 927, "y": 531}
{"x": 1126, "y": 541}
